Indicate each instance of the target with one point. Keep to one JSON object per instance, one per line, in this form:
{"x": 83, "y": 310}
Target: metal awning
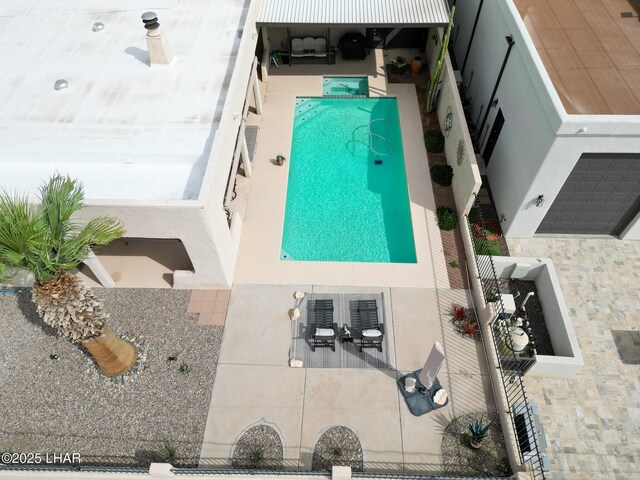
{"x": 378, "y": 13}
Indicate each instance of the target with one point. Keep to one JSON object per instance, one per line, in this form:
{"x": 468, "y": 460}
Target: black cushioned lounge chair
{"x": 323, "y": 330}
{"x": 371, "y": 330}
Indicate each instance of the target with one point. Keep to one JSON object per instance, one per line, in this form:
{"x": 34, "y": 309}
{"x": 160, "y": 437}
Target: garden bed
{"x": 460, "y": 459}
{"x": 62, "y": 404}
{"x": 338, "y": 446}
{"x": 259, "y": 448}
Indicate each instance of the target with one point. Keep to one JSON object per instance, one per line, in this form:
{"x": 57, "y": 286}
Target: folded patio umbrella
{"x": 432, "y": 366}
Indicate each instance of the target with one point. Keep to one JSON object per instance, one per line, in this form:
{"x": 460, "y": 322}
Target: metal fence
{"x": 235, "y": 473}
{"x": 512, "y": 366}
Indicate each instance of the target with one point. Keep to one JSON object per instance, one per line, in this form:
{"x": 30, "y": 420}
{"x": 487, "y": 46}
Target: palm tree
{"x": 46, "y": 241}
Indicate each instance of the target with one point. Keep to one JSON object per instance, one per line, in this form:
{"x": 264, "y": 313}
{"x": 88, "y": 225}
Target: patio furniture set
{"x": 365, "y": 330}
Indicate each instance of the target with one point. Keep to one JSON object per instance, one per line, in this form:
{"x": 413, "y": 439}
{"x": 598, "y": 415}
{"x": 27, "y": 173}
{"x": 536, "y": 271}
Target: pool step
{"x": 312, "y": 111}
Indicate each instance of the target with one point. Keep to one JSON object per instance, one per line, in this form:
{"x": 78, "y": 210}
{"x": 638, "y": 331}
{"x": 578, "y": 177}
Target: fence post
{"x": 340, "y": 473}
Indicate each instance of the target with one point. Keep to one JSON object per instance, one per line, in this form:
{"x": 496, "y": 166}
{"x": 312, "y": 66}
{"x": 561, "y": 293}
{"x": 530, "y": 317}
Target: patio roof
{"x": 408, "y": 13}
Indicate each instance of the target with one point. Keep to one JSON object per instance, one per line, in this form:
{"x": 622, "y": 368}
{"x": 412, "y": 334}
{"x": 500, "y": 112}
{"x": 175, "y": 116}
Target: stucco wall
{"x": 539, "y": 144}
{"x": 203, "y": 238}
{"x": 458, "y": 147}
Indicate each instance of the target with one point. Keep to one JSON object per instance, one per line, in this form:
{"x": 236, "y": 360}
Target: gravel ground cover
{"x": 460, "y": 459}
{"x": 61, "y": 404}
{"x": 259, "y": 448}
{"x": 338, "y": 446}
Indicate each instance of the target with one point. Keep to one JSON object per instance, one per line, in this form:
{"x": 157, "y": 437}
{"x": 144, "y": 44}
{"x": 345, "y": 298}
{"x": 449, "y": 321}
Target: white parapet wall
{"x": 458, "y": 147}
{"x": 567, "y": 360}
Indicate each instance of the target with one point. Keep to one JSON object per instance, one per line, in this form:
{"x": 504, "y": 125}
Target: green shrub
{"x": 168, "y": 454}
{"x": 447, "y": 218}
{"x": 186, "y": 368}
{"x": 434, "y": 141}
{"x": 442, "y": 174}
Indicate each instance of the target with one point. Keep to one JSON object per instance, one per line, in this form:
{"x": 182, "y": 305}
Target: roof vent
{"x": 150, "y": 20}
{"x": 98, "y": 27}
{"x": 159, "y": 51}
{"x": 61, "y": 84}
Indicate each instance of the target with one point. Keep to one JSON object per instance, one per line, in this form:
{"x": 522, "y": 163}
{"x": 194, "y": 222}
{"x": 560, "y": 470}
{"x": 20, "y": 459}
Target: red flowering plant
{"x": 464, "y": 321}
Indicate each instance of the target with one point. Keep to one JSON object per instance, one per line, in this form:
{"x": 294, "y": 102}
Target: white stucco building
{"x": 559, "y": 129}
{"x": 153, "y": 144}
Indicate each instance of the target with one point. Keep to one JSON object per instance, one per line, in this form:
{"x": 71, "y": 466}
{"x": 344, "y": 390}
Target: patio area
{"x": 591, "y": 420}
{"x": 254, "y": 384}
{"x": 259, "y": 252}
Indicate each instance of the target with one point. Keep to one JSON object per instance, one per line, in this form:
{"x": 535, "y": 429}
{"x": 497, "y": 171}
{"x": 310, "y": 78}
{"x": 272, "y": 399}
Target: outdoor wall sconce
{"x": 540, "y": 201}
{"x": 434, "y": 37}
{"x": 494, "y": 104}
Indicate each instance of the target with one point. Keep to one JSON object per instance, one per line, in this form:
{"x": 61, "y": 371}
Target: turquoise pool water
{"x": 345, "y": 86}
{"x": 342, "y": 206}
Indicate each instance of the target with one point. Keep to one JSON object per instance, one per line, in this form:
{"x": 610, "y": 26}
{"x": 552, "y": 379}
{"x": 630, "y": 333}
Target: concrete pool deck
{"x": 259, "y": 252}
{"x": 254, "y": 384}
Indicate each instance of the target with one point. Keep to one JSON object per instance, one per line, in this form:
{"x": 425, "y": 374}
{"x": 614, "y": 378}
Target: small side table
{"x": 346, "y": 338}
{"x": 353, "y": 334}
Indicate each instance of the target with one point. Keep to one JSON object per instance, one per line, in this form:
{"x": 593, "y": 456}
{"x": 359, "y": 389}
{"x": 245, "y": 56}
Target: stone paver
{"x": 592, "y": 421}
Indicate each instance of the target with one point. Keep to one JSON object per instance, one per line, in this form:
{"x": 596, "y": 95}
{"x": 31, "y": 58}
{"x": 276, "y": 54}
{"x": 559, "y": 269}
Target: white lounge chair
{"x": 309, "y": 46}
{"x": 320, "y": 47}
{"x": 297, "y": 47}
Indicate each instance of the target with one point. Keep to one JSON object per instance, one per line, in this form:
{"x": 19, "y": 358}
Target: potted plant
{"x": 478, "y": 433}
{"x": 280, "y": 160}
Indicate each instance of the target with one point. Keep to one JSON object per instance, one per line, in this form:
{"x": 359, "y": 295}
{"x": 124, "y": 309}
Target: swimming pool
{"x": 332, "y": 86}
{"x": 345, "y": 202}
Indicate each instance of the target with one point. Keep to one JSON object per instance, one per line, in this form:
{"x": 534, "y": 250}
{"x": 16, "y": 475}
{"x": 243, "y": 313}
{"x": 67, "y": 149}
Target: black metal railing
{"x": 235, "y": 472}
{"x": 512, "y": 366}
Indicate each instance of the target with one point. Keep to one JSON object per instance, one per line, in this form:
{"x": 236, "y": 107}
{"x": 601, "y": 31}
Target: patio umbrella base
{"x": 420, "y": 403}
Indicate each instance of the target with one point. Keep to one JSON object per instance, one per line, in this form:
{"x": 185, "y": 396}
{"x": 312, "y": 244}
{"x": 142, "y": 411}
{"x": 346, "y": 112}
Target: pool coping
{"x": 259, "y": 251}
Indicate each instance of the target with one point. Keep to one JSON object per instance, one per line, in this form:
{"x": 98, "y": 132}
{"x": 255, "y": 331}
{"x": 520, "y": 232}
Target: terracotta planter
{"x": 113, "y": 355}
{"x": 416, "y": 66}
{"x": 474, "y": 445}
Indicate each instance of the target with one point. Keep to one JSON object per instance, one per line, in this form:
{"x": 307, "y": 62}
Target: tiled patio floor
{"x": 592, "y": 421}
{"x": 255, "y": 385}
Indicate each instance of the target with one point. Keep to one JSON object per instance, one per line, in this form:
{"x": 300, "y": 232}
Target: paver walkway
{"x": 592, "y": 421}
{"x": 255, "y": 385}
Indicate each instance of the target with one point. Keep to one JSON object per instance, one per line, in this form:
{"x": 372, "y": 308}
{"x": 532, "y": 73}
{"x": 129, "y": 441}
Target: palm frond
{"x": 4, "y": 272}
{"x": 99, "y": 231}
{"x": 61, "y": 197}
{"x": 21, "y": 229}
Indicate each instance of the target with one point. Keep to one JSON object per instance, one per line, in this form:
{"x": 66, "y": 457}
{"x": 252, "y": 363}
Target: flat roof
{"x": 354, "y": 12}
{"x": 590, "y": 50}
{"x": 127, "y": 130}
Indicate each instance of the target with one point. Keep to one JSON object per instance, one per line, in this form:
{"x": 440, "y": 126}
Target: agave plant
{"x": 46, "y": 241}
{"x": 478, "y": 432}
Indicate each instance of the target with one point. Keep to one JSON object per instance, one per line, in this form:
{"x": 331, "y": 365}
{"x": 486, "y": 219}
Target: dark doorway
{"x": 493, "y": 137}
{"x": 397, "y": 38}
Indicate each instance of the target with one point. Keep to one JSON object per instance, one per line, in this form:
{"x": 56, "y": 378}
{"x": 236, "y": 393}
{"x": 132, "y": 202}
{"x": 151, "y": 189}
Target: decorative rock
{"x": 294, "y": 314}
{"x": 298, "y": 295}
{"x": 294, "y": 363}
